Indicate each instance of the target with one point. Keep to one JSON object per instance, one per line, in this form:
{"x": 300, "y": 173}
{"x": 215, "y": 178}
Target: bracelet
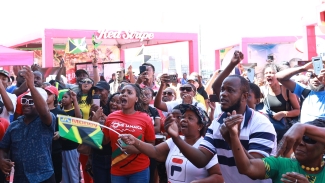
{"x": 95, "y": 66}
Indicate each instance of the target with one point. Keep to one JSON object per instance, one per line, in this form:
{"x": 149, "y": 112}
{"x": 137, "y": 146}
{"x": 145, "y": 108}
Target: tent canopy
{"x": 10, "y": 56}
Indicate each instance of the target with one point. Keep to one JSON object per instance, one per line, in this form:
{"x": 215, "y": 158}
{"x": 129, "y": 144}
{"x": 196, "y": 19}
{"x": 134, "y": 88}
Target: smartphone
{"x": 121, "y": 143}
{"x": 142, "y": 69}
{"x": 317, "y": 64}
{"x": 270, "y": 57}
{"x": 173, "y": 78}
{"x": 251, "y": 74}
{"x": 214, "y": 98}
{"x": 96, "y": 99}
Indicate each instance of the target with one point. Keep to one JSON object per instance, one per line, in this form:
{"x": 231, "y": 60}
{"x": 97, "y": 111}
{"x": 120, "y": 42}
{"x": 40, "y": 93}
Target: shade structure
{"x": 10, "y": 56}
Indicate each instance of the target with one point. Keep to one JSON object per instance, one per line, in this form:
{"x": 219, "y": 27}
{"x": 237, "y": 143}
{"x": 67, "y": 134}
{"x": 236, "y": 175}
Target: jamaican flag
{"x": 94, "y": 42}
{"x": 76, "y": 46}
{"x": 80, "y": 131}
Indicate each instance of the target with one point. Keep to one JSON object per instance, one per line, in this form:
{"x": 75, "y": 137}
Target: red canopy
{"x": 10, "y": 56}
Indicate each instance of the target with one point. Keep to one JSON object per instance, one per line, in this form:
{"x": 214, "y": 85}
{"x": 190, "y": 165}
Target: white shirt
{"x": 6, "y": 114}
{"x": 257, "y": 136}
{"x": 180, "y": 169}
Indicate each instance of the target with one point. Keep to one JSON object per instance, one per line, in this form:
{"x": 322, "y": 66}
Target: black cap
{"x": 80, "y": 71}
{"x": 102, "y": 85}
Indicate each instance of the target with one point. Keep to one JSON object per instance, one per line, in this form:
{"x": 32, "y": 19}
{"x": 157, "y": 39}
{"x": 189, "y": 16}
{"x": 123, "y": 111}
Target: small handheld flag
{"x": 76, "y": 46}
{"x": 94, "y": 42}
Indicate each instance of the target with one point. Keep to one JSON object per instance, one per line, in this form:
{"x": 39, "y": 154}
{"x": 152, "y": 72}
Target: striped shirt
{"x": 257, "y": 135}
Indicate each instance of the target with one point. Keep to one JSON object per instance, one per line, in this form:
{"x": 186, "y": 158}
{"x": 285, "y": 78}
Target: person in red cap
{"x": 52, "y": 102}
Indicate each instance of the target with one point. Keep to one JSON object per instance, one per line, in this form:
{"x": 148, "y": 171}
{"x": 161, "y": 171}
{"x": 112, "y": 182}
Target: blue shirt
{"x": 183, "y": 81}
{"x": 30, "y": 149}
{"x": 11, "y": 89}
{"x": 313, "y": 106}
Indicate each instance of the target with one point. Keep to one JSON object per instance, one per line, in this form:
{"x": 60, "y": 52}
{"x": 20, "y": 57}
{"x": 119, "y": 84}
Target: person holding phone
{"x": 147, "y": 77}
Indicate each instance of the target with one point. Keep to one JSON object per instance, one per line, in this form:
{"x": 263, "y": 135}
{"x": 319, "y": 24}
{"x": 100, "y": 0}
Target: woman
{"x": 101, "y": 158}
{"x": 84, "y": 97}
{"x": 148, "y": 94}
{"x": 307, "y": 167}
{"x": 70, "y": 155}
{"x": 187, "y": 94}
{"x": 179, "y": 169}
{"x": 128, "y": 164}
{"x": 281, "y": 102}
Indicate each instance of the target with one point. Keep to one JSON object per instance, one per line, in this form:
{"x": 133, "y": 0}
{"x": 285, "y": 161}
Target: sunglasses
{"x": 188, "y": 89}
{"x": 308, "y": 140}
{"x": 86, "y": 82}
{"x": 26, "y": 101}
{"x": 168, "y": 93}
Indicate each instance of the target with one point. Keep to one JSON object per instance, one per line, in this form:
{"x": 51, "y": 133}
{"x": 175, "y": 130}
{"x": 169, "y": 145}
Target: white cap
{"x": 41, "y": 91}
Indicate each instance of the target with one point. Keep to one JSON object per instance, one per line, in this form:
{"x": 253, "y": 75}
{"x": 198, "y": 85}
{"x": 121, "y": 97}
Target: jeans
{"x": 101, "y": 165}
{"x": 139, "y": 177}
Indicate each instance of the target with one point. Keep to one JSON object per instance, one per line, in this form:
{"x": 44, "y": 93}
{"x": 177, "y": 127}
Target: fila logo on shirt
{"x": 178, "y": 168}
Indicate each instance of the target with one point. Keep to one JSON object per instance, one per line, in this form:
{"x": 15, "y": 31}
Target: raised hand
{"x": 98, "y": 114}
{"x": 29, "y": 76}
{"x": 171, "y": 126}
{"x": 291, "y": 139}
{"x": 233, "y": 121}
{"x": 164, "y": 79}
{"x": 237, "y": 58}
{"x": 73, "y": 95}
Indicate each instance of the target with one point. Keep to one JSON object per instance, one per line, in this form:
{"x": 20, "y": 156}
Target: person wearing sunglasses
{"x": 187, "y": 93}
{"x": 29, "y": 138}
{"x": 308, "y": 165}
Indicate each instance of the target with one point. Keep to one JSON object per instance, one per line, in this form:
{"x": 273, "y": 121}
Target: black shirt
{"x": 56, "y": 144}
{"x": 67, "y": 144}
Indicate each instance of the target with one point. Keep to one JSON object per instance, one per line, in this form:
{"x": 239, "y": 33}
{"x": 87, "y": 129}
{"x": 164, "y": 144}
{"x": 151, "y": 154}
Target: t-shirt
{"x": 4, "y": 124}
{"x": 170, "y": 105}
{"x": 6, "y": 114}
{"x": 180, "y": 169}
{"x": 313, "y": 106}
{"x": 140, "y": 126}
{"x": 56, "y": 144}
{"x": 11, "y": 88}
{"x": 66, "y": 143}
{"x": 84, "y": 107}
{"x": 153, "y": 113}
{"x": 276, "y": 167}
{"x": 200, "y": 99}
{"x": 202, "y": 92}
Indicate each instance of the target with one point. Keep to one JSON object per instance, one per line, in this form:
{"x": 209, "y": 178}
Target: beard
{"x": 235, "y": 107}
{"x": 318, "y": 88}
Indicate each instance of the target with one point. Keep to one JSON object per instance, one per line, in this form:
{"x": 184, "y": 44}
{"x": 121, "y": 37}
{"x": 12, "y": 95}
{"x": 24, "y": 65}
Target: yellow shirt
{"x": 200, "y": 99}
{"x": 84, "y": 107}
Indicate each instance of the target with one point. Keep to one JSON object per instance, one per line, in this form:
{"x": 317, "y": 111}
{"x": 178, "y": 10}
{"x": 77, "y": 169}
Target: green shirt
{"x": 276, "y": 167}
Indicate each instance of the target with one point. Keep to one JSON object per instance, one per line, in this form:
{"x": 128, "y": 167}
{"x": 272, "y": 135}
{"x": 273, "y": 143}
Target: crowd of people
{"x": 228, "y": 129}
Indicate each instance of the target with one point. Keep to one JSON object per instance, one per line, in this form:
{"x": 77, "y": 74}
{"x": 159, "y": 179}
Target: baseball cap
{"x": 52, "y": 89}
{"x": 40, "y": 91}
{"x": 199, "y": 112}
{"x": 192, "y": 78}
{"x": 6, "y": 73}
{"x": 80, "y": 71}
{"x": 102, "y": 85}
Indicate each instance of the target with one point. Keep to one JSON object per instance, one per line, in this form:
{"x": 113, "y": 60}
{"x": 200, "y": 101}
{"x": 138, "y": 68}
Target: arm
{"x": 77, "y": 111}
{"x": 131, "y": 76}
{"x": 215, "y": 176}
{"x": 238, "y": 56}
{"x": 285, "y": 75}
{"x": 95, "y": 71}
{"x": 58, "y": 75}
{"x": 22, "y": 88}
{"x": 208, "y": 87}
{"x": 158, "y": 103}
{"x": 295, "y": 106}
{"x": 6, "y": 99}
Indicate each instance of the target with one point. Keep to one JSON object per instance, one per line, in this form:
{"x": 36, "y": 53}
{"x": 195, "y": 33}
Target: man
{"x": 7, "y": 100}
{"x": 184, "y": 79}
{"x": 257, "y": 134}
{"x": 18, "y": 89}
{"x": 114, "y": 86}
{"x": 112, "y": 79}
{"x": 313, "y": 98}
{"x": 52, "y": 102}
{"x": 38, "y": 82}
{"x": 147, "y": 78}
{"x": 101, "y": 158}
{"x": 29, "y": 138}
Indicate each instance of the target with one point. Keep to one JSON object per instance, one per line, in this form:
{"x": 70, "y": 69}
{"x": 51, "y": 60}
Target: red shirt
{"x": 19, "y": 106}
{"x": 4, "y": 124}
{"x": 140, "y": 126}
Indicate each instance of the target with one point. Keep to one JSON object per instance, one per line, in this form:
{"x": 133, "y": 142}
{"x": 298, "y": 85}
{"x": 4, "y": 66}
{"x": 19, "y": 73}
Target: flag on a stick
{"x": 80, "y": 131}
{"x": 95, "y": 43}
{"x": 140, "y": 52}
{"x": 76, "y": 46}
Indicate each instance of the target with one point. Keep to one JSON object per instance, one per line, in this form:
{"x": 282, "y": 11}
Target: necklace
{"x": 312, "y": 168}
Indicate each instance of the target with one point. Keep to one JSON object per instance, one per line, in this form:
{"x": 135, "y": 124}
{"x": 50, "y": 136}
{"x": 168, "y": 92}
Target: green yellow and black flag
{"x": 76, "y": 46}
{"x": 94, "y": 42}
{"x": 80, "y": 131}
